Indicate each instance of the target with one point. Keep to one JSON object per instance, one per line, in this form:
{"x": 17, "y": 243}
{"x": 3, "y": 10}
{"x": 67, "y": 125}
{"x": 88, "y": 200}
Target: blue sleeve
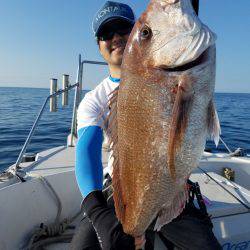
{"x": 89, "y": 169}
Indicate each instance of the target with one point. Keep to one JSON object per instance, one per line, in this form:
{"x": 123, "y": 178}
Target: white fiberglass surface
{"x": 241, "y": 170}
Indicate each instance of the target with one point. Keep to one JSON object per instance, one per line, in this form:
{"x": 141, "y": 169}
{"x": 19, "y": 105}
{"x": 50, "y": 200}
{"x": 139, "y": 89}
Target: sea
{"x": 19, "y": 108}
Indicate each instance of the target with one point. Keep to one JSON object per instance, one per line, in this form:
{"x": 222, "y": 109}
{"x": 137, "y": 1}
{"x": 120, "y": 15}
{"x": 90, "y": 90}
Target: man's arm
{"x": 89, "y": 175}
{"x": 89, "y": 170}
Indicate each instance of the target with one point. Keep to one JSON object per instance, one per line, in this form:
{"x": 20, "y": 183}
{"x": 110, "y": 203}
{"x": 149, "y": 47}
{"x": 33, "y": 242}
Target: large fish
{"x": 161, "y": 114}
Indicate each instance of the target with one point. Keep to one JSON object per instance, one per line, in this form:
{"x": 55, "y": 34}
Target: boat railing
{"x": 54, "y": 93}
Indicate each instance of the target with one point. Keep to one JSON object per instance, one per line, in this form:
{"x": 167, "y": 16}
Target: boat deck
{"x": 225, "y": 200}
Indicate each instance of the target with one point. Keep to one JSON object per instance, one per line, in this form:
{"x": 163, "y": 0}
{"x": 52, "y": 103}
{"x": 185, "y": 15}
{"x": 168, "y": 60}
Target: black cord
{"x": 247, "y": 207}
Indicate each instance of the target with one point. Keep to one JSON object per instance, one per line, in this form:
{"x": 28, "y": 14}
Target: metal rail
{"x": 94, "y": 62}
{"x": 78, "y": 93}
{"x": 59, "y": 92}
{"x": 77, "y": 99}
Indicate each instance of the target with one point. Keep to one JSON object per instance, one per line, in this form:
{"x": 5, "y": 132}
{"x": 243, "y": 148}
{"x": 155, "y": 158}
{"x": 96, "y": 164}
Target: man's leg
{"x": 191, "y": 230}
{"x": 85, "y": 237}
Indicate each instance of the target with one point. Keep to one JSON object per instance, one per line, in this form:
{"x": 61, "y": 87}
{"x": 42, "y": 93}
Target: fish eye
{"x": 146, "y": 32}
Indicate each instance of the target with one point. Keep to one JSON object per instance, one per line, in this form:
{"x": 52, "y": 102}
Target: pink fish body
{"x": 162, "y": 114}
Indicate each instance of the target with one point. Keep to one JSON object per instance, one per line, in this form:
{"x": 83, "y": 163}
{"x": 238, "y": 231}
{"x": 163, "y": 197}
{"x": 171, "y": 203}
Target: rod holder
{"x": 53, "y": 99}
{"x": 65, "y": 95}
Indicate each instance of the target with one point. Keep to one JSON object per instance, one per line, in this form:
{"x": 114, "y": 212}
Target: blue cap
{"x": 112, "y": 10}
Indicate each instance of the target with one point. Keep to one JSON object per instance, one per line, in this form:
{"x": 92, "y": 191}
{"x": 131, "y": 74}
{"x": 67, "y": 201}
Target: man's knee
{"x": 85, "y": 237}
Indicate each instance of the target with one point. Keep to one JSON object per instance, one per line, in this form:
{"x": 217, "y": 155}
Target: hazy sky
{"x": 41, "y": 39}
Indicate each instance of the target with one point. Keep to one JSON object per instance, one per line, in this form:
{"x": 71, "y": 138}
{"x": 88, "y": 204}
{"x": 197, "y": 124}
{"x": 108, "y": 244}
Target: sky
{"x": 41, "y": 39}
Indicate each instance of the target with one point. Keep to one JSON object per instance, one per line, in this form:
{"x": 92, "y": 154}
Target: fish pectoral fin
{"x": 181, "y": 109}
{"x": 213, "y": 123}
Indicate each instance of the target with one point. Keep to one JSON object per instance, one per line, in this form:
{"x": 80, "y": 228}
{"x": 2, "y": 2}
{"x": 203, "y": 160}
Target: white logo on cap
{"x": 109, "y": 10}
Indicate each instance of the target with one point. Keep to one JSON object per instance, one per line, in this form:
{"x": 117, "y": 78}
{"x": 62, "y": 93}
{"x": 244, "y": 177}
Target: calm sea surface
{"x": 20, "y": 106}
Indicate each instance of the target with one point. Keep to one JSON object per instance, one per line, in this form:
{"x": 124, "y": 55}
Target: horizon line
{"x": 26, "y": 87}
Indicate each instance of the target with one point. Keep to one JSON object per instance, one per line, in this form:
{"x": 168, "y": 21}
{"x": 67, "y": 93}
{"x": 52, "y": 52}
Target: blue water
{"x": 20, "y": 106}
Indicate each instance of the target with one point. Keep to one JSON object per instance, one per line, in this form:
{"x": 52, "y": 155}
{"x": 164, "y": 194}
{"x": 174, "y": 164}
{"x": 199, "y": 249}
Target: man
{"x": 112, "y": 26}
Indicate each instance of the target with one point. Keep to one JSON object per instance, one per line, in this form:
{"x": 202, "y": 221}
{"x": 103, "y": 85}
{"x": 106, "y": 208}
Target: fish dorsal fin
{"x": 110, "y": 124}
{"x": 214, "y": 129}
{"x": 112, "y": 132}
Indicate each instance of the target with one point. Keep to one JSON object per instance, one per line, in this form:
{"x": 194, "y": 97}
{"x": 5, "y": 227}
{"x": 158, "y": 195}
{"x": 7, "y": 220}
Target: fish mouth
{"x": 197, "y": 62}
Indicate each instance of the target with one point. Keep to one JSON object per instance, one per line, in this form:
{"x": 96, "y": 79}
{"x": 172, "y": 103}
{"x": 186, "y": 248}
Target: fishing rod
{"x": 195, "y": 4}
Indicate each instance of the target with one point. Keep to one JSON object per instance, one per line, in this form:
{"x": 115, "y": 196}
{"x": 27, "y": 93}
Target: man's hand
{"x": 140, "y": 242}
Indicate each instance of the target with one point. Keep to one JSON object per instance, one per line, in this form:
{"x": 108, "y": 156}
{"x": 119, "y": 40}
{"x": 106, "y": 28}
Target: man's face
{"x": 112, "y": 40}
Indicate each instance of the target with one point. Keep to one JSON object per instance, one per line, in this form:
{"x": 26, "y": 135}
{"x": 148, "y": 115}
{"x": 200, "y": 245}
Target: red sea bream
{"x": 161, "y": 114}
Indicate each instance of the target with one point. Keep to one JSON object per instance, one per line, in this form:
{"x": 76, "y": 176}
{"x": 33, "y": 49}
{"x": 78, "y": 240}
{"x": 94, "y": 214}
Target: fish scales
{"x": 144, "y": 157}
{"x": 164, "y": 111}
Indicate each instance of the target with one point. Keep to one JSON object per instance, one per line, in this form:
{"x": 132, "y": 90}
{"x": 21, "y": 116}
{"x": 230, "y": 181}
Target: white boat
{"x": 41, "y": 196}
